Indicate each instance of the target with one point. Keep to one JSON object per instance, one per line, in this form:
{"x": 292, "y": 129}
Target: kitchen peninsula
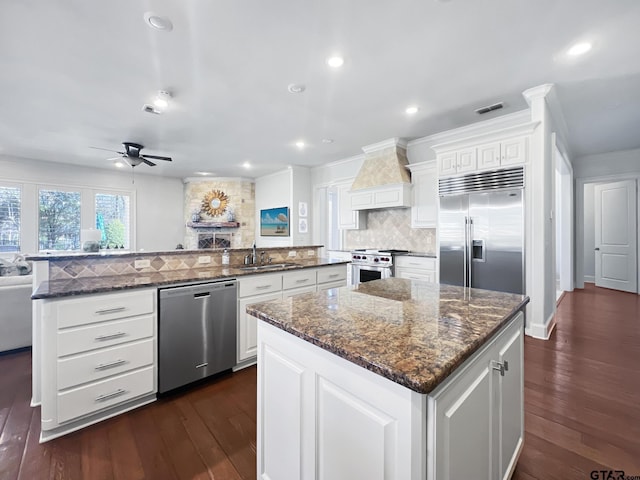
{"x": 98, "y": 319}
{"x": 393, "y": 379}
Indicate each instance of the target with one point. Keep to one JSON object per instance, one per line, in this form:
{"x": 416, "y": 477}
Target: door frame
{"x": 579, "y": 246}
{"x": 563, "y": 212}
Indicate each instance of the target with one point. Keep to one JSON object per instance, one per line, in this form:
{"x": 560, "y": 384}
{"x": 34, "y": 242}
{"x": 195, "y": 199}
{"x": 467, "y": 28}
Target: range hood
{"x": 383, "y": 180}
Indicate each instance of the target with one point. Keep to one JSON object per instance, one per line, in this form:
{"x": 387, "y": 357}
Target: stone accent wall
{"x": 242, "y": 203}
{"x": 65, "y": 269}
{"x": 391, "y": 228}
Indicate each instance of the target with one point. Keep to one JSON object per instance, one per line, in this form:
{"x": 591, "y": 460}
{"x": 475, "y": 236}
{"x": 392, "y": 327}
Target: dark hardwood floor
{"x": 582, "y": 412}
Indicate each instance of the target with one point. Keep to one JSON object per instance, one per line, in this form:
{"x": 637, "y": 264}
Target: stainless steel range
{"x": 372, "y": 264}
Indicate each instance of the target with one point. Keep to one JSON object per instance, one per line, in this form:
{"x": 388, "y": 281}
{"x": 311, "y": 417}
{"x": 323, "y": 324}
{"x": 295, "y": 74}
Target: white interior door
{"x": 616, "y": 235}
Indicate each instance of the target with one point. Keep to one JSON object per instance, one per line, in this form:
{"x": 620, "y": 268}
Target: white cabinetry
{"x": 349, "y": 219}
{"x": 500, "y": 154}
{"x": 416, "y": 268}
{"x": 388, "y": 196}
{"x": 253, "y": 289}
{"x": 98, "y": 358}
{"x": 424, "y": 209}
{"x": 320, "y": 416}
{"x": 457, "y": 161}
{"x": 264, "y": 287}
{"x": 478, "y": 414}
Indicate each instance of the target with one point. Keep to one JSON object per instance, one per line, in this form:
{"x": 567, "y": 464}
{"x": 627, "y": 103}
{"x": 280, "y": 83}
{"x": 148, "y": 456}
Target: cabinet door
{"x": 422, "y": 275}
{"x": 467, "y": 160}
{"x": 463, "y": 426}
{"x": 514, "y": 151}
{"x": 347, "y": 219}
{"x": 511, "y": 401}
{"x": 447, "y": 163}
{"x": 489, "y": 155}
{"x": 247, "y": 329}
{"x": 424, "y": 212}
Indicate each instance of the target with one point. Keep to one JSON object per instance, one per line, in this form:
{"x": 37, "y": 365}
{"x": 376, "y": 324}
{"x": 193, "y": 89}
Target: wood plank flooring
{"x": 582, "y": 412}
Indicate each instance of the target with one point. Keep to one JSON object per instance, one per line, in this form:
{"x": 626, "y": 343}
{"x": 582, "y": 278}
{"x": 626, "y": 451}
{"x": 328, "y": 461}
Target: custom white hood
{"x": 383, "y": 180}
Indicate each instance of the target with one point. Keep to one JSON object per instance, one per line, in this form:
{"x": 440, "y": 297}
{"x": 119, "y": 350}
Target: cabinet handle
{"x": 109, "y": 396}
{"x": 105, "y": 366}
{"x": 302, "y": 280}
{"x": 111, "y": 336}
{"x": 334, "y": 275}
{"x": 202, "y": 365}
{"x": 110, "y": 310}
{"x": 262, "y": 287}
{"x": 498, "y": 366}
{"x": 506, "y": 366}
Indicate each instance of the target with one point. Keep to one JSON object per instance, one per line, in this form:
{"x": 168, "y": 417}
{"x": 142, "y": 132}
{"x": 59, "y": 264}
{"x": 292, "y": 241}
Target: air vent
{"x": 484, "y": 181}
{"x": 489, "y": 108}
{"x": 149, "y": 109}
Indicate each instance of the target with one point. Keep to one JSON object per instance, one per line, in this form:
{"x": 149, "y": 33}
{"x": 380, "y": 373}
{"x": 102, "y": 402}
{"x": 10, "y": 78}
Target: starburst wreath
{"x": 214, "y": 203}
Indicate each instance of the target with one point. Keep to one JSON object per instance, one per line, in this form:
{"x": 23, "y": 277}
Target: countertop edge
{"x": 396, "y": 377}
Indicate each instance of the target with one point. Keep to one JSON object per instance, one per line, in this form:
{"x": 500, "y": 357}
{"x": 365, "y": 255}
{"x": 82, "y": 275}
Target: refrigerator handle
{"x": 464, "y": 251}
{"x": 470, "y": 247}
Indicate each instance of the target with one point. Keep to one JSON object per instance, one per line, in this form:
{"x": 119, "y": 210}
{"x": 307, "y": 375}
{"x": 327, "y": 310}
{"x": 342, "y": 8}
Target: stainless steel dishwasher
{"x": 196, "y": 332}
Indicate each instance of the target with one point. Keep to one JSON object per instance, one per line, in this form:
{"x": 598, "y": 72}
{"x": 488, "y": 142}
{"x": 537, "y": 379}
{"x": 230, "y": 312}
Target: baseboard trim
{"x": 542, "y": 332}
{"x": 560, "y": 298}
{"x": 589, "y": 279}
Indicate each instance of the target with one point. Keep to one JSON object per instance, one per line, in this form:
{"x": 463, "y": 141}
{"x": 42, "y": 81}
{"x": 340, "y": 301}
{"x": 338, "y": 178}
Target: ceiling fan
{"x": 132, "y": 155}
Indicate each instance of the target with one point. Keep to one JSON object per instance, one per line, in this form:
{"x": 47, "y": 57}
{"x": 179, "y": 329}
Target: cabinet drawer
{"x": 104, "y": 394}
{"x": 329, "y": 285}
{"x": 425, "y": 276}
{"x": 297, "y": 291}
{"x": 299, "y": 279}
{"x": 259, "y": 284}
{"x": 98, "y": 308}
{"x": 107, "y": 334}
{"x": 89, "y": 367}
{"x": 332, "y": 274}
{"x": 408, "y": 261}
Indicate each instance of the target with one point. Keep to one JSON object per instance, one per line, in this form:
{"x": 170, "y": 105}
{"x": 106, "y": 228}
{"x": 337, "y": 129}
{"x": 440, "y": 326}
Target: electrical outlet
{"x": 142, "y": 263}
{"x": 204, "y": 259}
{"x": 311, "y": 253}
{"x": 292, "y": 253}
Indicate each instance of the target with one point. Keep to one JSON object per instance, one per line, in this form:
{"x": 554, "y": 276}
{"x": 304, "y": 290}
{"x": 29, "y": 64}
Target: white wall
{"x": 301, "y": 192}
{"x": 159, "y": 200}
{"x": 611, "y": 163}
{"x": 589, "y": 240}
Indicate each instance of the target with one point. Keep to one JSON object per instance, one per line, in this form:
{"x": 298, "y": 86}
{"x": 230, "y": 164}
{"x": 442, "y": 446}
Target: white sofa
{"x": 15, "y": 312}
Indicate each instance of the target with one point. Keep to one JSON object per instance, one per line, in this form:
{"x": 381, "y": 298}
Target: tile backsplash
{"x": 391, "y": 228}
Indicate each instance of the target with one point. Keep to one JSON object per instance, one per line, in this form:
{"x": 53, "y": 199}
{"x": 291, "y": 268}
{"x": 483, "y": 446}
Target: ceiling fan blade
{"x": 151, "y": 164}
{"x": 108, "y": 150}
{"x": 113, "y": 158}
{"x": 156, "y": 157}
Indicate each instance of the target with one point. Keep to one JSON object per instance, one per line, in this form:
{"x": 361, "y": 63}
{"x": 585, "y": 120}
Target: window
{"x": 112, "y": 218}
{"x": 59, "y": 220}
{"x": 10, "y": 203}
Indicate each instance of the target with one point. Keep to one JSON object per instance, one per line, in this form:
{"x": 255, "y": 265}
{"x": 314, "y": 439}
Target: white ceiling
{"x": 75, "y": 74}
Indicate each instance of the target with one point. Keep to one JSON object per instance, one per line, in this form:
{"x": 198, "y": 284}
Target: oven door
{"x": 366, "y": 273}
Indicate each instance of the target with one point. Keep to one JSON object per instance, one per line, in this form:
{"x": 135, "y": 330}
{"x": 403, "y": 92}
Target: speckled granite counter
{"x": 99, "y": 284}
{"x": 413, "y": 333}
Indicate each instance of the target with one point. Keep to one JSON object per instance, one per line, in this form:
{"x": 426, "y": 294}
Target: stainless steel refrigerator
{"x": 482, "y": 239}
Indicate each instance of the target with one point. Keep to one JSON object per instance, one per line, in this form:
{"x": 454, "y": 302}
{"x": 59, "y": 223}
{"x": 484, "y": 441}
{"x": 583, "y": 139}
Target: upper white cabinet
{"x": 349, "y": 219}
{"x": 489, "y": 150}
{"x": 388, "y": 196}
{"x": 424, "y": 179}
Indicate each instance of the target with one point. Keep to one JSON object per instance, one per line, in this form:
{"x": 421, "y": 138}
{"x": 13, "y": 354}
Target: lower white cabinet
{"x": 416, "y": 268}
{"x": 247, "y": 333}
{"x": 98, "y": 358}
{"x": 478, "y": 414}
{"x": 320, "y": 416}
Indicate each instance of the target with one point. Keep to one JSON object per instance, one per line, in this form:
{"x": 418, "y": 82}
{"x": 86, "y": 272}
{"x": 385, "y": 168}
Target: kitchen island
{"x": 395, "y": 379}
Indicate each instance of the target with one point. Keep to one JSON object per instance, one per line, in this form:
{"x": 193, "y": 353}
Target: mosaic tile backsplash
{"x": 64, "y": 269}
{"x": 391, "y": 228}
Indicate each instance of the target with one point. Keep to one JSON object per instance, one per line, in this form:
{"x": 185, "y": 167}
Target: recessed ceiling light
{"x": 579, "y": 49}
{"x": 158, "y": 22}
{"x": 335, "y": 61}
{"x": 204, "y": 174}
{"x": 246, "y": 165}
{"x": 327, "y": 140}
{"x": 296, "y": 88}
{"x": 300, "y": 144}
{"x": 161, "y": 100}
{"x": 411, "y": 110}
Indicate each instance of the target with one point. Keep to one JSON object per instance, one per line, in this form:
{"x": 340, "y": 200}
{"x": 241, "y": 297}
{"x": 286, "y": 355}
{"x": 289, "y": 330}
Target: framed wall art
{"x": 274, "y": 222}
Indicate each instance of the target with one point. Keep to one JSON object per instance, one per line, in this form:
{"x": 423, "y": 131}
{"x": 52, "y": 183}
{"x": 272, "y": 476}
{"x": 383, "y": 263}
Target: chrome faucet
{"x": 254, "y": 255}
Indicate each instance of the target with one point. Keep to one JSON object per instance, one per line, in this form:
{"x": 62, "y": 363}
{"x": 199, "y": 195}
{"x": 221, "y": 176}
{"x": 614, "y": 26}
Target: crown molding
{"x": 186, "y": 180}
{"x": 487, "y": 137}
{"x": 389, "y": 143}
{"x": 541, "y": 91}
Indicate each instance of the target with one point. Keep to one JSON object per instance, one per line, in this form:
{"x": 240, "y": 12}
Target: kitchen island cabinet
{"x": 393, "y": 380}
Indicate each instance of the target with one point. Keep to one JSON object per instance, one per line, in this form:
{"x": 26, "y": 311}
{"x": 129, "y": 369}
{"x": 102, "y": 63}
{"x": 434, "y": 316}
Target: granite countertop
{"x": 413, "y": 333}
{"x": 421, "y": 254}
{"x": 76, "y": 255}
{"x": 88, "y": 285}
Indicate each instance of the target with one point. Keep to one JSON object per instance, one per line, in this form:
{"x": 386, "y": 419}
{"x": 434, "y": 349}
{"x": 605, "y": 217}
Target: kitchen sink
{"x": 270, "y": 266}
